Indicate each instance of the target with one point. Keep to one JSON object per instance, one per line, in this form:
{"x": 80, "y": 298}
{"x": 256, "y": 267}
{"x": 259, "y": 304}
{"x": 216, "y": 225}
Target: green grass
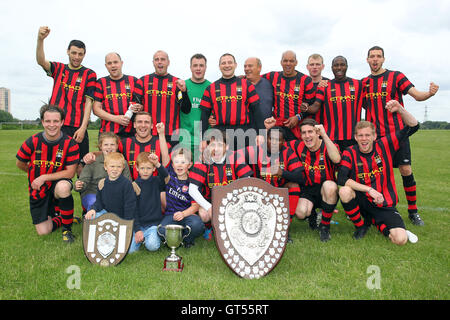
{"x": 34, "y": 267}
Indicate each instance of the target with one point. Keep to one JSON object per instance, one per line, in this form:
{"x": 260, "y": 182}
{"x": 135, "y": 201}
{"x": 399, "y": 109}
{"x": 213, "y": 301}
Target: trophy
{"x": 173, "y": 238}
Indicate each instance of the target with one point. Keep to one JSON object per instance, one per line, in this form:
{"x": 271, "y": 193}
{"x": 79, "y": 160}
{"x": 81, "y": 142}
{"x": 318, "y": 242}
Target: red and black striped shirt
{"x": 230, "y": 101}
{"x": 378, "y": 90}
{"x": 290, "y": 93}
{"x": 131, "y": 147}
{"x": 261, "y": 163}
{"x": 70, "y": 89}
{"x": 207, "y": 176}
{"x": 162, "y": 99}
{"x": 374, "y": 169}
{"x": 116, "y": 96}
{"x": 341, "y": 107}
{"x": 44, "y": 157}
{"x": 318, "y": 166}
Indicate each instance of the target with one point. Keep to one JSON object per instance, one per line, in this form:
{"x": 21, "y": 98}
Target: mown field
{"x": 42, "y": 268}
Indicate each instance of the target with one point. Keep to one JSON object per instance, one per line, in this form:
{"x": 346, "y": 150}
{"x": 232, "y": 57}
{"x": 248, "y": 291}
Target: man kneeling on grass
{"x": 50, "y": 158}
{"x": 367, "y": 179}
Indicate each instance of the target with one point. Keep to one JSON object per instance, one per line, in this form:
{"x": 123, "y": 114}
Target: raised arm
{"x": 40, "y": 55}
{"x": 423, "y": 95}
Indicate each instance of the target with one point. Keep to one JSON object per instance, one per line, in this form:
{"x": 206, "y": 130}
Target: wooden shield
{"x": 106, "y": 240}
{"x": 251, "y": 222}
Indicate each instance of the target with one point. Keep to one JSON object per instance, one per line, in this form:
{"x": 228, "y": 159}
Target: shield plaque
{"x": 251, "y": 222}
{"x": 106, "y": 240}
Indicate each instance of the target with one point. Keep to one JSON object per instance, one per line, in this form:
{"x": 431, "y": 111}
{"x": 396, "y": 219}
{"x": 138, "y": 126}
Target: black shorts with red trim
{"x": 43, "y": 208}
{"x": 382, "y": 215}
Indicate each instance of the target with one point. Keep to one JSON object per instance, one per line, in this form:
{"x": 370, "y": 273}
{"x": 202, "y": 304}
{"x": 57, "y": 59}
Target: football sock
{"x": 327, "y": 213}
{"x": 409, "y": 184}
{"x": 294, "y": 196}
{"x": 352, "y": 210}
{"x": 66, "y": 209}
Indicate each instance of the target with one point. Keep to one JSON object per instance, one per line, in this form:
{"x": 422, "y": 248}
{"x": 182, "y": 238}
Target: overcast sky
{"x": 414, "y": 34}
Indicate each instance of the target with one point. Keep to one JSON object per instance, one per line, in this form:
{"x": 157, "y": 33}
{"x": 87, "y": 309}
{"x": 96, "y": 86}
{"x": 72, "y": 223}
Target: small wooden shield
{"x": 106, "y": 240}
{"x": 251, "y": 222}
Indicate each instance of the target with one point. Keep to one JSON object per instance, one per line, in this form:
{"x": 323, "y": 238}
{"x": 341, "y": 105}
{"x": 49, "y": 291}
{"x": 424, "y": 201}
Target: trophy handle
{"x": 187, "y": 227}
{"x": 157, "y": 230}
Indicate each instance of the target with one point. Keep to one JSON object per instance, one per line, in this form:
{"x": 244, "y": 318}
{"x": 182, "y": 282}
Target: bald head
{"x": 112, "y": 55}
{"x": 161, "y": 62}
{"x": 113, "y": 63}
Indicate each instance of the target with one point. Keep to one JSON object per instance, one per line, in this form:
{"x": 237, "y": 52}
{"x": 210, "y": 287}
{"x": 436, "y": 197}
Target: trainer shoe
{"x": 360, "y": 232}
{"x": 415, "y": 219}
{"x": 208, "y": 234}
{"x": 68, "y": 236}
{"x": 324, "y": 233}
{"x": 412, "y": 237}
{"x": 77, "y": 220}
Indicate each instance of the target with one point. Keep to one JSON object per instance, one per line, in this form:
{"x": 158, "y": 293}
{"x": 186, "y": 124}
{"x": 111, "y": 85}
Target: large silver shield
{"x": 106, "y": 240}
{"x": 251, "y": 222}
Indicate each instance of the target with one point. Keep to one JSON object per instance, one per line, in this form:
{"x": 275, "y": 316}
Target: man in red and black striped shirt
{"x": 164, "y": 97}
{"x": 219, "y": 167}
{"x": 291, "y": 89}
{"x": 380, "y": 87}
{"x": 114, "y": 94}
{"x": 320, "y": 157}
{"x": 144, "y": 141}
{"x": 73, "y": 88}
{"x": 339, "y": 104}
{"x": 233, "y": 102}
{"x": 367, "y": 177}
{"x": 276, "y": 163}
{"x": 50, "y": 158}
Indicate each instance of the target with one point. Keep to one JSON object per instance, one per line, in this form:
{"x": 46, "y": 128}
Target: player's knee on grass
{"x": 398, "y": 236}
{"x": 44, "y": 228}
{"x": 303, "y": 209}
{"x": 346, "y": 194}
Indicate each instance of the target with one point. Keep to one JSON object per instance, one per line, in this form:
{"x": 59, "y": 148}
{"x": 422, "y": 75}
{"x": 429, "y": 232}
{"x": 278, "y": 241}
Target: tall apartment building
{"x": 5, "y": 99}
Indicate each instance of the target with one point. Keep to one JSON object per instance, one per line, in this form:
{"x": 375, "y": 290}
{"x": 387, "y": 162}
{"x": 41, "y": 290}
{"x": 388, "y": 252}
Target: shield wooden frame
{"x": 251, "y": 220}
{"x": 106, "y": 240}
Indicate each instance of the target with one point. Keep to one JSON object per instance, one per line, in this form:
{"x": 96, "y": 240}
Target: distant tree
{"x": 6, "y": 117}
{"x": 435, "y": 125}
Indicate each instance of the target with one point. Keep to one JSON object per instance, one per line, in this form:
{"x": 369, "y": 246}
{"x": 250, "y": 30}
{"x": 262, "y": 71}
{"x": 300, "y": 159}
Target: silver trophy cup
{"x": 173, "y": 238}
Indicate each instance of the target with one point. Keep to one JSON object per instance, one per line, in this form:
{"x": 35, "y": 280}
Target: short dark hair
{"x": 339, "y": 57}
{"x": 375, "y": 48}
{"x": 51, "y": 108}
{"x": 227, "y": 54}
{"x": 77, "y": 43}
{"x": 308, "y": 122}
{"x": 198, "y": 56}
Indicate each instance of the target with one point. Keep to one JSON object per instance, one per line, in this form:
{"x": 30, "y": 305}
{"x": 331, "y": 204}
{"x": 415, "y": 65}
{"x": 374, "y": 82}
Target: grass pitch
{"x": 44, "y": 268}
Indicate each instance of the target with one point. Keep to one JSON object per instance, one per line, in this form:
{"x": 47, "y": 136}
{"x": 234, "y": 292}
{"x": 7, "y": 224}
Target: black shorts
{"x": 382, "y": 215}
{"x": 84, "y": 145}
{"x": 403, "y": 155}
{"x": 313, "y": 194}
{"x": 43, "y": 208}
